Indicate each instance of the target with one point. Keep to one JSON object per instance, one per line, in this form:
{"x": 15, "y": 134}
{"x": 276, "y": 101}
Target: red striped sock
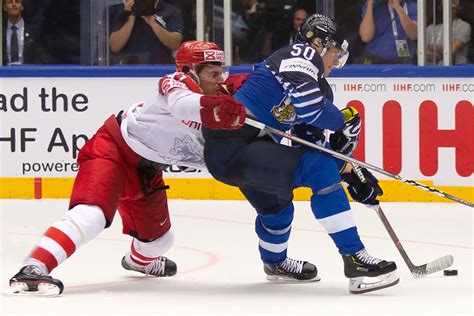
{"x": 139, "y": 259}
{"x": 56, "y": 245}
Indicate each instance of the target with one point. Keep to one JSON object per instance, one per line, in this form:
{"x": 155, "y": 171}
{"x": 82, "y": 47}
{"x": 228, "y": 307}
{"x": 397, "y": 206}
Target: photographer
{"x": 145, "y": 31}
{"x": 389, "y": 29}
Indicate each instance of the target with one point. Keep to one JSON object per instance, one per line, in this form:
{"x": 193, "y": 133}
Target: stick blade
{"x": 434, "y": 266}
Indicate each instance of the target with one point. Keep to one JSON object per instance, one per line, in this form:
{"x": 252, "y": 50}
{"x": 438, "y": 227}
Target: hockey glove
{"x": 233, "y": 83}
{"x": 345, "y": 140}
{"x": 363, "y": 192}
{"x": 309, "y": 133}
{"x": 222, "y": 112}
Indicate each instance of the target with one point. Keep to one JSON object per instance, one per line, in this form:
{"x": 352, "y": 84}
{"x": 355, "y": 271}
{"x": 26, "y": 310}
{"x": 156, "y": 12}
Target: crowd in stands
{"x": 150, "y": 31}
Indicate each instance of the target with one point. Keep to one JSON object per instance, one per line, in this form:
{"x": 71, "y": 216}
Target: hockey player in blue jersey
{"x": 288, "y": 91}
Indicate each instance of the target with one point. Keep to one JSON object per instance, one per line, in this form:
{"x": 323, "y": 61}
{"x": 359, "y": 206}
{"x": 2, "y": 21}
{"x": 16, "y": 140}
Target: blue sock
{"x": 273, "y": 232}
{"x": 329, "y": 202}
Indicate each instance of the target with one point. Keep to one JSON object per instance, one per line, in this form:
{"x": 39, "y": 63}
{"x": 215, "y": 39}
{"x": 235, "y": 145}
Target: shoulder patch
{"x": 166, "y": 85}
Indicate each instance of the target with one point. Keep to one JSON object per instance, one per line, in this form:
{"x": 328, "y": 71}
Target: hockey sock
{"x": 273, "y": 232}
{"x": 78, "y": 226}
{"x": 142, "y": 253}
{"x": 329, "y": 202}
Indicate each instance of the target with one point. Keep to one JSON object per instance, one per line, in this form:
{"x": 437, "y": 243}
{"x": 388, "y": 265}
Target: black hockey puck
{"x": 450, "y": 272}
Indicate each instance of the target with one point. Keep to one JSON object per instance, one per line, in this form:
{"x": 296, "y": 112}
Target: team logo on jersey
{"x": 285, "y": 112}
{"x": 166, "y": 85}
{"x": 186, "y": 149}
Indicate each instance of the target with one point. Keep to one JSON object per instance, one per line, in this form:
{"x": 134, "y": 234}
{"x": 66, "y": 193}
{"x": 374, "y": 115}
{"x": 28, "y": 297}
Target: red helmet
{"x": 193, "y": 53}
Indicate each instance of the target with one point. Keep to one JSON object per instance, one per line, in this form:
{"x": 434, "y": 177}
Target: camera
{"x": 143, "y": 7}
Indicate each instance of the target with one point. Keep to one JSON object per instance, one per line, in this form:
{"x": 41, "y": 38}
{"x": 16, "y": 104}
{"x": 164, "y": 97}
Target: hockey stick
{"x": 336, "y": 154}
{"x": 417, "y": 271}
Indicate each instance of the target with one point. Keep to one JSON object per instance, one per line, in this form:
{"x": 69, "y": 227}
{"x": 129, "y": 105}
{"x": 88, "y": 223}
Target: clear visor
{"x": 214, "y": 73}
{"x": 343, "y": 54}
{"x": 342, "y": 59}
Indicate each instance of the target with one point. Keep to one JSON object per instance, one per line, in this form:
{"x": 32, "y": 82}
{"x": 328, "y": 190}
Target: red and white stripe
{"x": 78, "y": 226}
{"x": 138, "y": 258}
{"x": 58, "y": 243}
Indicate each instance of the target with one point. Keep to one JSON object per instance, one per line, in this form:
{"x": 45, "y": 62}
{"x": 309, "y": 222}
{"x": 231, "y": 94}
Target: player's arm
{"x": 216, "y": 112}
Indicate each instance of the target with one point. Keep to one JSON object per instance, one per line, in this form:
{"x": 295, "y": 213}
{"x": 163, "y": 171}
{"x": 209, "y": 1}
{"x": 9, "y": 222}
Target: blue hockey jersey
{"x": 289, "y": 88}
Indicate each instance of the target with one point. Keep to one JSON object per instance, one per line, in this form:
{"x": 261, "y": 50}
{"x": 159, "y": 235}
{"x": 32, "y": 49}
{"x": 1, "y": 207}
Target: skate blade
{"x": 44, "y": 290}
{"x": 282, "y": 279}
{"x": 359, "y": 286}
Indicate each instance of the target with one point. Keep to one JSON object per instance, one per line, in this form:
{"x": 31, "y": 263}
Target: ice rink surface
{"x": 220, "y": 273}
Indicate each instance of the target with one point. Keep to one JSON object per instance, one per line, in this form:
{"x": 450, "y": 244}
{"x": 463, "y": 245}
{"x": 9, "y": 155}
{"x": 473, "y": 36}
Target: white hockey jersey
{"x": 167, "y": 127}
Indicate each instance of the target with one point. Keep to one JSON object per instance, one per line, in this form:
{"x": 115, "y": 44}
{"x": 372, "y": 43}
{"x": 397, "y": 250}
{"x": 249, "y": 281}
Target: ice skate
{"x": 360, "y": 266}
{"x": 291, "y": 270}
{"x": 161, "y": 267}
{"x": 31, "y": 281}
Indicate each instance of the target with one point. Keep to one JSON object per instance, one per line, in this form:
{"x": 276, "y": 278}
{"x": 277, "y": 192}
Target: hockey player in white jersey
{"x": 121, "y": 168}
{"x": 289, "y": 91}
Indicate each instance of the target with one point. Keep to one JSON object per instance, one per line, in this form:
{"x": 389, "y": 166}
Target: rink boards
{"x": 417, "y": 123}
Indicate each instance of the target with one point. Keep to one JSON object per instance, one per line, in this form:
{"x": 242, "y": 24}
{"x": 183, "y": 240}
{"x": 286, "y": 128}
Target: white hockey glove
{"x": 345, "y": 140}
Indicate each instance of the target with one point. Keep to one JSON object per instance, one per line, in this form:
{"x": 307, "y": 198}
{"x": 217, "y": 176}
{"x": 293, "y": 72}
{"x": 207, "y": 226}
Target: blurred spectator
{"x": 467, "y": 14}
{"x": 389, "y": 29}
{"x": 18, "y": 37}
{"x": 269, "y": 26}
{"x": 238, "y": 27}
{"x": 461, "y": 35}
{"x": 145, "y": 31}
{"x": 188, "y": 11}
{"x": 251, "y": 45}
{"x": 281, "y": 36}
{"x": 60, "y": 31}
{"x": 298, "y": 17}
{"x": 347, "y": 15}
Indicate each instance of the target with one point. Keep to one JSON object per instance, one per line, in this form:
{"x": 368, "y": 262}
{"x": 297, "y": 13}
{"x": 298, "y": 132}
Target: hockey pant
{"x": 266, "y": 173}
{"x": 107, "y": 180}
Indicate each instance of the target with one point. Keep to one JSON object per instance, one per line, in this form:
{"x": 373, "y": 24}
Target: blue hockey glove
{"x": 309, "y": 133}
{"x": 345, "y": 140}
{"x": 363, "y": 192}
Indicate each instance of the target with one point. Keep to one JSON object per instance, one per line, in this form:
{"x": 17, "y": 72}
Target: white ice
{"x": 219, "y": 270}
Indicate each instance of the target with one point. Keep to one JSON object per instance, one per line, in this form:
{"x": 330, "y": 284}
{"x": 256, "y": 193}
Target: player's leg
{"x": 93, "y": 204}
{"x": 263, "y": 170}
{"x": 273, "y": 228}
{"x": 146, "y": 218}
{"x": 331, "y": 207}
{"x": 77, "y": 227}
